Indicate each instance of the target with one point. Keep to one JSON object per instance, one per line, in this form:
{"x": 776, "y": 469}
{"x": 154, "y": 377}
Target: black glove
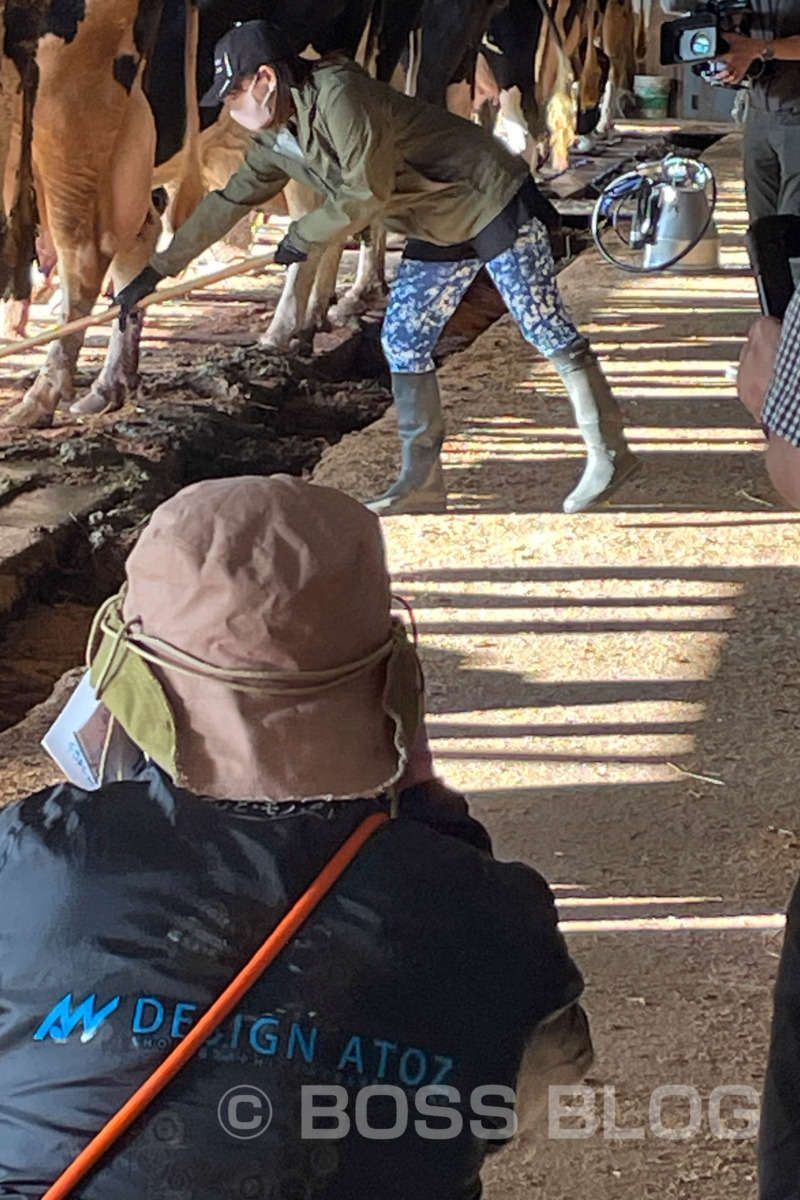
{"x": 144, "y": 283}
{"x": 287, "y": 253}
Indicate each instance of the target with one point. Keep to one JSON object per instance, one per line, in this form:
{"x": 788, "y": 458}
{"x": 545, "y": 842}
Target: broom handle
{"x": 253, "y": 263}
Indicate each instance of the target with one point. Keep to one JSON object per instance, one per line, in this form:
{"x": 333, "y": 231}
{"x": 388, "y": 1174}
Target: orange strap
{"x": 216, "y": 1014}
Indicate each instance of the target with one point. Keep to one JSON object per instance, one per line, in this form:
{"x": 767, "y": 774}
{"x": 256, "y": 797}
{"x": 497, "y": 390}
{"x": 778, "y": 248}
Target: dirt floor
{"x": 617, "y": 691}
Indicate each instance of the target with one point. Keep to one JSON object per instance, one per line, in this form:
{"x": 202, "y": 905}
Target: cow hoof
{"x": 348, "y": 309}
{"x": 94, "y": 403}
{"x": 30, "y": 413}
{"x": 279, "y": 344}
{"x": 356, "y": 305}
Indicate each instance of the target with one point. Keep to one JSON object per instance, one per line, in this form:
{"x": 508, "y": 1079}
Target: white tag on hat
{"x": 77, "y": 738}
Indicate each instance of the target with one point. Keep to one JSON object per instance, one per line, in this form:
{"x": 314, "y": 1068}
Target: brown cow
{"x": 93, "y": 164}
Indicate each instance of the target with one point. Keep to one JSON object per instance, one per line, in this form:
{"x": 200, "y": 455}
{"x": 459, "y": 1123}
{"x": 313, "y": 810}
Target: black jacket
{"x": 125, "y": 912}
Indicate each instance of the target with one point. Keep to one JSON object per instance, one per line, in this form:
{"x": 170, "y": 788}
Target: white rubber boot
{"x": 609, "y": 461}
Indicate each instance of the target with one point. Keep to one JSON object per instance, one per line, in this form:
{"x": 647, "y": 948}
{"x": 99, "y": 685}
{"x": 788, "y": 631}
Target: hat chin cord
{"x": 109, "y": 623}
{"x": 244, "y": 679}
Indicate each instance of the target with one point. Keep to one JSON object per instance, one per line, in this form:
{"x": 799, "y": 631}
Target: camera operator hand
{"x": 742, "y": 52}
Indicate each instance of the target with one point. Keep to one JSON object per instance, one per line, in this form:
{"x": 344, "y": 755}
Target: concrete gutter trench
{"x": 72, "y": 499}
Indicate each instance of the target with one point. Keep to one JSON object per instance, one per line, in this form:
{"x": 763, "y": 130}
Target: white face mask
{"x": 250, "y": 113}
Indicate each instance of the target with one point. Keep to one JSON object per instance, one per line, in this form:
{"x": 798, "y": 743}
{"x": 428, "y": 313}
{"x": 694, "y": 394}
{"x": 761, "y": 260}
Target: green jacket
{"x": 373, "y": 153}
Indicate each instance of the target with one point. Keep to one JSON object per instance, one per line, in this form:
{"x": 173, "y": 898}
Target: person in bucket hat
{"x": 253, "y": 657}
{"x": 256, "y": 639}
{"x": 453, "y": 190}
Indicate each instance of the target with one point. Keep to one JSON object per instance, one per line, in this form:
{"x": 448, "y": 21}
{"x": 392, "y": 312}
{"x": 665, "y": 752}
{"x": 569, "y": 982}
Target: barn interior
{"x": 615, "y": 691}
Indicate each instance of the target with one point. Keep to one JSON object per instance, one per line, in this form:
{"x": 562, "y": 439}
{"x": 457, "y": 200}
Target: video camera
{"x": 699, "y": 36}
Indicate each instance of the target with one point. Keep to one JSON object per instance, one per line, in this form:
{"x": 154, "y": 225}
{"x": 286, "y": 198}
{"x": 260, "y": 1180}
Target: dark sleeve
{"x": 779, "y": 1136}
{"x": 560, "y": 980}
{"x": 445, "y": 810}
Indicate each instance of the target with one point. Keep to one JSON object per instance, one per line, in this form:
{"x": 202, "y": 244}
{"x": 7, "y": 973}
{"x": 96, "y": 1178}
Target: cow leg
{"x": 289, "y": 317}
{"x": 15, "y": 318}
{"x": 608, "y": 109}
{"x": 54, "y": 383}
{"x": 323, "y": 293}
{"x": 519, "y": 136}
{"x": 129, "y": 227}
{"x": 120, "y": 374}
{"x": 82, "y": 269}
{"x": 618, "y": 101}
{"x": 618, "y": 33}
{"x": 16, "y": 313}
{"x": 370, "y": 288}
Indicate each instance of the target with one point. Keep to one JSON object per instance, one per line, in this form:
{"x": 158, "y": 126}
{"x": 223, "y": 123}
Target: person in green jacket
{"x": 458, "y": 195}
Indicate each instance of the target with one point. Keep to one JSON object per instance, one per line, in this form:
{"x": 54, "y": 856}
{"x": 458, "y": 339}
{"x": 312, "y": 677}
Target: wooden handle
{"x": 253, "y": 263}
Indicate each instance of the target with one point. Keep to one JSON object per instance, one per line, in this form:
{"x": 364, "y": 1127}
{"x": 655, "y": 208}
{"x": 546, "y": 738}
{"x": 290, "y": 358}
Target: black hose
{"x": 615, "y": 218}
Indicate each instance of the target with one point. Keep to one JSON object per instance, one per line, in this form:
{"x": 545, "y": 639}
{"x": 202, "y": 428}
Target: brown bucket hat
{"x": 252, "y": 653}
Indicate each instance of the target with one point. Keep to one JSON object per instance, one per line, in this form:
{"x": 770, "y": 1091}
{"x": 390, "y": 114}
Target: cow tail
{"x": 561, "y": 110}
{"x": 640, "y": 35}
{"x": 190, "y": 188}
{"x": 619, "y": 43}
{"x": 592, "y": 75}
{"x": 368, "y": 51}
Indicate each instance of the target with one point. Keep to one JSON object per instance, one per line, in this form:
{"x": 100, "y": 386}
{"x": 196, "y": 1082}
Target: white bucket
{"x": 652, "y": 94}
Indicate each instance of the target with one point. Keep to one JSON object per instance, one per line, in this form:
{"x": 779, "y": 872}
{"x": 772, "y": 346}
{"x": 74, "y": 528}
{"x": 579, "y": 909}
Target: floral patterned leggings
{"x": 426, "y": 294}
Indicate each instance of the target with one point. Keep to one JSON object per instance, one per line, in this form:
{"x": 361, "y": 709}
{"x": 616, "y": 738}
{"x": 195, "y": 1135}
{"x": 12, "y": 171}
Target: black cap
{"x": 240, "y": 53}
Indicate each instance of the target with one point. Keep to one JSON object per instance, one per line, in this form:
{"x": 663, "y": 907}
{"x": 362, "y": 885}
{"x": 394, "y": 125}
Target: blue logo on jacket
{"x": 61, "y": 1020}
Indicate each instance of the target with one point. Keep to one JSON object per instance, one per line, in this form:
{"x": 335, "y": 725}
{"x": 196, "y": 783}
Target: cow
{"x": 95, "y": 142}
{"x": 620, "y": 43}
{"x": 504, "y": 73}
{"x": 44, "y": 280}
{"x": 528, "y": 67}
{"x": 92, "y": 150}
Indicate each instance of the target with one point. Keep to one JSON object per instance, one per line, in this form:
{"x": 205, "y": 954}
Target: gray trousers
{"x": 772, "y": 163}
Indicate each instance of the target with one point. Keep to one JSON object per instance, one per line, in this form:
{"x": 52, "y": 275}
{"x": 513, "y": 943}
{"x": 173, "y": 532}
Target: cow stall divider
{"x": 255, "y": 262}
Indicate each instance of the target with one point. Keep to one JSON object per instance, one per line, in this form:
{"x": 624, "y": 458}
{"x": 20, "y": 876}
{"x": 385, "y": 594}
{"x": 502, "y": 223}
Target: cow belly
{"x": 126, "y": 199}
